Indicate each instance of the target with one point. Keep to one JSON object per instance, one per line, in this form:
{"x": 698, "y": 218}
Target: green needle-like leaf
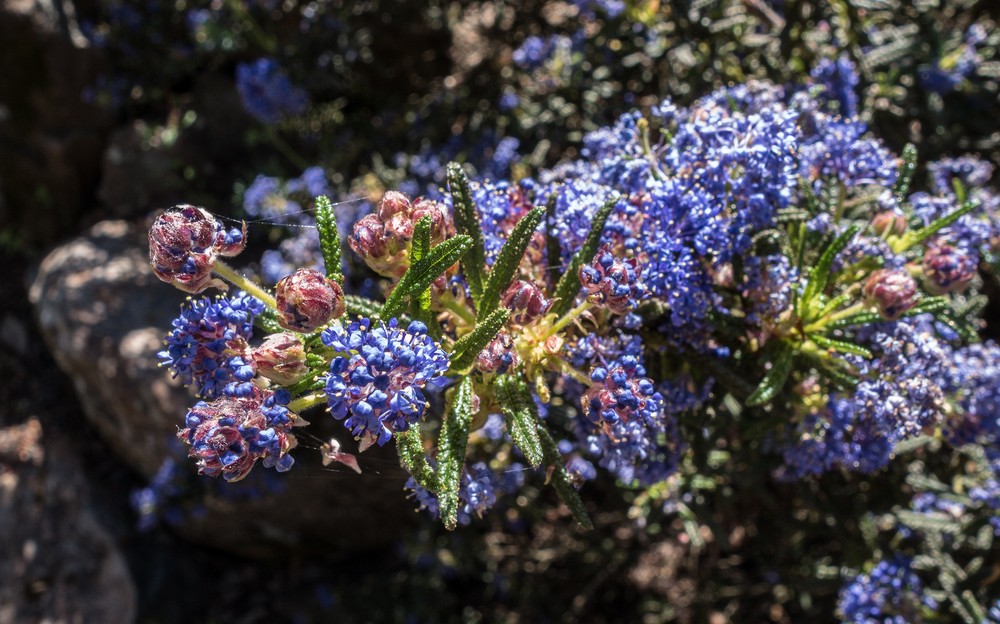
{"x": 519, "y": 407}
{"x": 902, "y": 186}
{"x": 508, "y": 260}
{"x": 421, "y": 273}
{"x": 361, "y": 306}
{"x": 464, "y": 353}
{"x": 569, "y": 283}
{"x": 931, "y": 305}
{"x": 560, "y": 477}
{"x": 413, "y": 458}
{"x": 420, "y": 305}
{"x": 329, "y": 238}
{"x": 268, "y": 321}
{"x": 912, "y": 238}
{"x": 451, "y": 451}
{"x": 467, "y": 223}
{"x": 840, "y": 346}
{"x": 819, "y": 276}
{"x": 774, "y": 380}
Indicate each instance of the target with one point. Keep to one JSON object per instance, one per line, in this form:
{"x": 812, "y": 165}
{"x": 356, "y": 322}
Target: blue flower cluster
{"x": 207, "y": 345}
{"x": 891, "y": 593}
{"x": 272, "y": 199}
{"x": 376, "y": 383}
{"x": 478, "y": 491}
{"x": 266, "y": 91}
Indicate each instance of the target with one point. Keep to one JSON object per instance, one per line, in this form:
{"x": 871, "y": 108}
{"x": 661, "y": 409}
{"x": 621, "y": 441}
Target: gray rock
{"x": 103, "y": 315}
{"x": 57, "y": 563}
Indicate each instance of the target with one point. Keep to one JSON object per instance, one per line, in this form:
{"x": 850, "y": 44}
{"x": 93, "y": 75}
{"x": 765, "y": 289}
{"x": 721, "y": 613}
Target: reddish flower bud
{"x": 499, "y": 355}
{"x": 893, "y": 292}
{"x": 525, "y": 301}
{"x": 307, "y": 300}
{"x": 382, "y": 239}
{"x": 948, "y": 269}
{"x": 889, "y": 222}
{"x": 183, "y": 244}
{"x": 281, "y": 358}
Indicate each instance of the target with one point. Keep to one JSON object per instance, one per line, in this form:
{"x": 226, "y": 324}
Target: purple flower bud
{"x": 948, "y": 269}
{"x": 889, "y": 222}
{"x": 183, "y": 244}
{"x": 499, "y": 355}
{"x": 892, "y": 291}
{"x": 307, "y": 300}
{"x": 525, "y": 302}
{"x": 229, "y": 435}
{"x": 281, "y": 358}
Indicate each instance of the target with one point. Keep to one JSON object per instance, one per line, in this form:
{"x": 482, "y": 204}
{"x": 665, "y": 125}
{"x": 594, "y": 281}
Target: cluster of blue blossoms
{"x": 759, "y": 247}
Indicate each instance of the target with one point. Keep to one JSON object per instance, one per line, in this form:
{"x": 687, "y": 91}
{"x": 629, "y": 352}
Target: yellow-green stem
{"x": 571, "y": 316}
{"x": 229, "y": 274}
{"x": 305, "y": 402}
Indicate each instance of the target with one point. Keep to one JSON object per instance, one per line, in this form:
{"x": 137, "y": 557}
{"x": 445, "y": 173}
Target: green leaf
{"x": 467, "y": 223}
{"x": 902, "y": 186}
{"x": 834, "y": 370}
{"x": 791, "y": 215}
{"x": 912, "y": 238}
{"x": 464, "y": 353}
{"x": 840, "y": 345}
{"x": 451, "y": 451}
{"x": 361, "y": 306}
{"x": 820, "y": 274}
{"x": 420, "y": 306}
{"x": 329, "y": 238}
{"x": 552, "y": 247}
{"x": 268, "y": 321}
{"x": 508, "y": 260}
{"x": 931, "y": 305}
{"x": 518, "y": 406}
{"x": 774, "y": 380}
{"x": 413, "y": 458}
{"x": 561, "y": 480}
{"x": 569, "y": 283}
{"x": 423, "y": 272}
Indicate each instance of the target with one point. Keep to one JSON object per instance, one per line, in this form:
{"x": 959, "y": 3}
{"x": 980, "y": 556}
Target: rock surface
{"x": 103, "y": 315}
{"x": 57, "y": 563}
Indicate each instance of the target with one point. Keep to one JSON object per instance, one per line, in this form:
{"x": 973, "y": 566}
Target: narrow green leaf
{"x": 467, "y": 222}
{"x": 464, "y": 353}
{"x": 552, "y": 247}
{"x": 833, "y": 370}
{"x": 329, "y": 238}
{"x": 930, "y": 305}
{"x": 774, "y": 379}
{"x": 820, "y": 274}
{"x": 909, "y": 165}
{"x": 452, "y": 445}
{"x": 421, "y": 273}
{"x": 508, "y": 260}
{"x": 569, "y": 283}
{"x": 916, "y": 237}
{"x": 518, "y": 406}
{"x": 840, "y": 346}
{"x": 791, "y": 215}
{"x": 413, "y": 458}
{"x": 561, "y": 480}
{"x": 420, "y": 305}
{"x": 361, "y": 306}
{"x": 268, "y": 321}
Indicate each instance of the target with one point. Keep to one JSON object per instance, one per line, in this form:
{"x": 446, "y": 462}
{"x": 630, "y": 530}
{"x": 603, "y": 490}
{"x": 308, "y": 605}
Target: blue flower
{"x": 376, "y": 383}
{"x": 890, "y": 594}
{"x": 208, "y": 339}
{"x": 266, "y": 91}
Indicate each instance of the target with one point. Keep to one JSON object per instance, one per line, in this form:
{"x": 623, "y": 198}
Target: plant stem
{"x": 571, "y": 316}
{"x": 305, "y": 402}
{"x": 227, "y": 273}
{"x": 846, "y": 312}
